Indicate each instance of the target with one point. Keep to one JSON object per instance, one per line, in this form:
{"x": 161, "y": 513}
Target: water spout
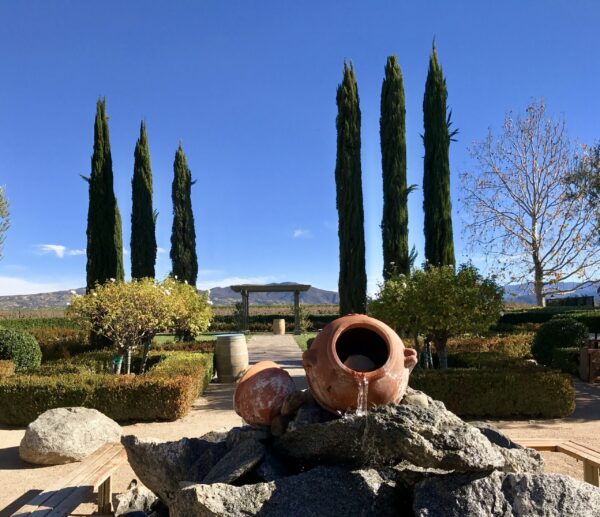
{"x": 363, "y": 396}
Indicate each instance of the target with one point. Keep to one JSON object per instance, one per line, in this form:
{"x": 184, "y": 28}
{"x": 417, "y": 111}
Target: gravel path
{"x": 213, "y": 411}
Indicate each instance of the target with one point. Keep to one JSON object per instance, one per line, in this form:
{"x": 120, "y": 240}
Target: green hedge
{"x": 534, "y": 315}
{"x": 21, "y": 348}
{"x": 166, "y": 392}
{"x": 566, "y": 360}
{"x": 489, "y": 393}
{"x": 557, "y": 333}
{"x": 264, "y": 322}
{"x": 512, "y": 345}
{"x": 37, "y": 323}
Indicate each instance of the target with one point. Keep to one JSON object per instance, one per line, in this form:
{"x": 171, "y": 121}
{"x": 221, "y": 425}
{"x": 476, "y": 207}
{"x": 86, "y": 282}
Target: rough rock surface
{"x": 65, "y": 435}
{"x": 137, "y": 498}
{"x": 238, "y": 461}
{"x": 429, "y": 437}
{"x": 161, "y": 466}
{"x": 505, "y": 495}
{"x": 322, "y": 492}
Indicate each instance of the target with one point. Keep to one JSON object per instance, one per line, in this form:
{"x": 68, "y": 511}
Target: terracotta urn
{"x": 260, "y": 392}
{"x": 357, "y": 362}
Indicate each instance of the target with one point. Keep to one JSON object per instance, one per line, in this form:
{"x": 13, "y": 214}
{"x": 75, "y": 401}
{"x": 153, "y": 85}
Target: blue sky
{"x": 249, "y": 89}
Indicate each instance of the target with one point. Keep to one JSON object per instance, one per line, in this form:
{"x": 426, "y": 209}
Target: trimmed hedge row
{"x": 512, "y": 345}
{"x": 590, "y": 317}
{"x": 7, "y": 368}
{"x": 499, "y": 393}
{"x": 264, "y": 322}
{"x": 166, "y": 392}
{"x": 566, "y": 360}
{"x": 37, "y": 323}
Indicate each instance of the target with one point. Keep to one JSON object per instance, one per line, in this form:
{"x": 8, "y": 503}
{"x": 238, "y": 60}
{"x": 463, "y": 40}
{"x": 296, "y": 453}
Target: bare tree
{"x": 4, "y": 218}
{"x": 526, "y": 215}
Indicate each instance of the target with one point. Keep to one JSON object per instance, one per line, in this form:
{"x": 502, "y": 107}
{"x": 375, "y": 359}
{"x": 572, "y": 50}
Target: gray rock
{"x": 415, "y": 398}
{"x": 320, "y": 492}
{"x": 238, "y": 461}
{"x": 429, "y": 437}
{"x": 502, "y": 494}
{"x": 137, "y": 498}
{"x": 271, "y": 468}
{"x": 517, "y": 457}
{"x": 239, "y": 434}
{"x": 309, "y": 414}
{"x": 161, "y": 466}
{"x": 65, "y": 435}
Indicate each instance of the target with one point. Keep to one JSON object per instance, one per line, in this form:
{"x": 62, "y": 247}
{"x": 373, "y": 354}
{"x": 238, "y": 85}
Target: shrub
{"x": 512, "y": 345}
{"x": 20, "y": 347}
{"x": 186, "y": 346}
{"x": 7, "y": 368}
{"x": 38, "y": 323}
{"x": 591, "y": 319}
{"x": 60, "y": 342}
{"x": 557, "y": 333}
{"x": 566, "y": 360}
{"x": 534, "y": 315}
{"x": 507, "y": 393}
{"x": 165, "y": 393}
{"x": 486, "y": 360}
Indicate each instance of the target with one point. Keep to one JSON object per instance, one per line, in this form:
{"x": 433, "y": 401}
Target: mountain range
{"x": 218, "y": 295}
{"x": 522, "y": 293}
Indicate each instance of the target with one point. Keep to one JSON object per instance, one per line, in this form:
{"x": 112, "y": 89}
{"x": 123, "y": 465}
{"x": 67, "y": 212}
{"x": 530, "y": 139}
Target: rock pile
{"x": 413, "y": 458}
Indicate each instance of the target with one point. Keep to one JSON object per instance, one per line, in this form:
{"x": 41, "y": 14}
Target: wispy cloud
{"x": 59, "y": 250}
{"x": 10, "y": 286}
{"x": 300, "y": 233}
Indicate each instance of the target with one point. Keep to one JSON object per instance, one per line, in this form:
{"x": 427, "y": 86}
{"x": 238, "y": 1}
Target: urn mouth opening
{"x": 361, "y": 349}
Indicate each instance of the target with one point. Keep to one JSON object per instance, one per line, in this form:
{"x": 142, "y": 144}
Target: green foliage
{"x": 352, "y": 283}
{"x": 487, "y": 360}
{"x": 439, "y": 302}
{"x": 39, "y": 323}
{"x": 143, "y": 217}
{"x": 502, "y": 393}
{"x": 305, "y": 339}
{"x": 566, "y": 360}
{"x": 264, "y": 322}
{"x": 183, "y": 233}
{"x": 557, "y": 333}
{"x": 392, "y": 132}
{"x": 7, "y": 368}
{"x": 60, "y": 343}
{"x": 4, "y": 218}
{"x": 104, "y": 240}
{"x": 21, "y": 348}
{"x": 164, "y": 393}
{"x": 132, "y": 313}
{"x": 534, "y": 315}
{"x": 439, "y": 244}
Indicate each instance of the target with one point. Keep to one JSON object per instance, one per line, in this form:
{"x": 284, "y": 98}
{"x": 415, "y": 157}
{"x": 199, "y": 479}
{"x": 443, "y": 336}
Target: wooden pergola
{"x": 246, "y": 289}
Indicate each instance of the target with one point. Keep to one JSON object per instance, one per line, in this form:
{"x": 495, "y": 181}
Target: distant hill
{"x": 218, "y": 295}
{"x": 524, "y": 293}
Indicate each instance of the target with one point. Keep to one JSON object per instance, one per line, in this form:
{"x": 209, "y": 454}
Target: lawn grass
{"x": 302, "y": 339}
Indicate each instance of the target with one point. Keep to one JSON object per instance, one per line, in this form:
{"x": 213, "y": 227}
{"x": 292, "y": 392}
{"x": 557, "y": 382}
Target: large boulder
{"x": 65, "y": 435}
{"x": 161, "y": 465}
{"x": 322, "y": 492}
{"x": 429, "y": 437}
{"x": 518, "y": 495}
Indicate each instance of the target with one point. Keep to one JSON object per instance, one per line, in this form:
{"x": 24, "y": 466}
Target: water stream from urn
{"x": 363, "y": 396}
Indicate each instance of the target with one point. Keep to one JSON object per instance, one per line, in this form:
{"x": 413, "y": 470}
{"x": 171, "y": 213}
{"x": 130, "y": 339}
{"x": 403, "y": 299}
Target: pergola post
{"x": 245, "y": 308}
{"x": 296, "y": 312}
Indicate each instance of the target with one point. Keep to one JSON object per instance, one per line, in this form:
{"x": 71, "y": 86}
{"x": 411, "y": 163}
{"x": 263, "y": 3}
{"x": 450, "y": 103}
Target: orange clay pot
{"x": 260, "y": 392}
{"x": 349, "y": 351}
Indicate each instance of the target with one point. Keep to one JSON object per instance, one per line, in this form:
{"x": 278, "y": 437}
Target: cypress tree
{"x": 183, "y": 235}
{"x": 439, "y": 245}
{"x": 352, "y": 283}
{"x": 143, "y": 217}
{"x": 104, "y": 239}
{"x": 392, "y": 132}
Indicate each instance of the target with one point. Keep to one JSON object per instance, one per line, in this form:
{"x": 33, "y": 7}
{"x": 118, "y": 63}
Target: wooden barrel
{"x": 279, "y": 326}
{"x": 231, "y": 357}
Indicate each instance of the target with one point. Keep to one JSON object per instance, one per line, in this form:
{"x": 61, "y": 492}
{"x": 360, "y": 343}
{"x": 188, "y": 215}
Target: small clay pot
{"x": 357, "y": 356}
{"x": 260, "y": 392}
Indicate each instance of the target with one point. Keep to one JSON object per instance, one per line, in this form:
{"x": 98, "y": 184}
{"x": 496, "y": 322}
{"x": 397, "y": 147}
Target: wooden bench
{"x": 590, "y": 457}
{"x": 66, "y": 494}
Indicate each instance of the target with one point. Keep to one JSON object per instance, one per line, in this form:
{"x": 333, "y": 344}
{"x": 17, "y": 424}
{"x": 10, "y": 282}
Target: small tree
{"x": 439, "y": 302}
{"x": 4, "y": 218}
{"x": 131, "y": 314}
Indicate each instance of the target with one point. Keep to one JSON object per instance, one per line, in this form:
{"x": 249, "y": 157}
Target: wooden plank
{"x": 42, "y": 503}
{"x": 590, "y": 474}
{"x": 581, "y": 452}
{"x": 539, "y": 444}
{"x": 105, "y": 496}
{"x": 91, "y": 475}
{"x": 108, "y": 469}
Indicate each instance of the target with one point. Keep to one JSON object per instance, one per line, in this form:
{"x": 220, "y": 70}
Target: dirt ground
{"x": 19, "y": 481}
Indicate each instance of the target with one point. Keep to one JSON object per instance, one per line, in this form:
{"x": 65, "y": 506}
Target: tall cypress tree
{"x": 183, "y": 235}
{"x": 439, "y": 245}
{"x": 143, "y": 217}
{"x": 104, "y": 238}
{"x": 352, "y": 283}
{"x": 392, "y": 132}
